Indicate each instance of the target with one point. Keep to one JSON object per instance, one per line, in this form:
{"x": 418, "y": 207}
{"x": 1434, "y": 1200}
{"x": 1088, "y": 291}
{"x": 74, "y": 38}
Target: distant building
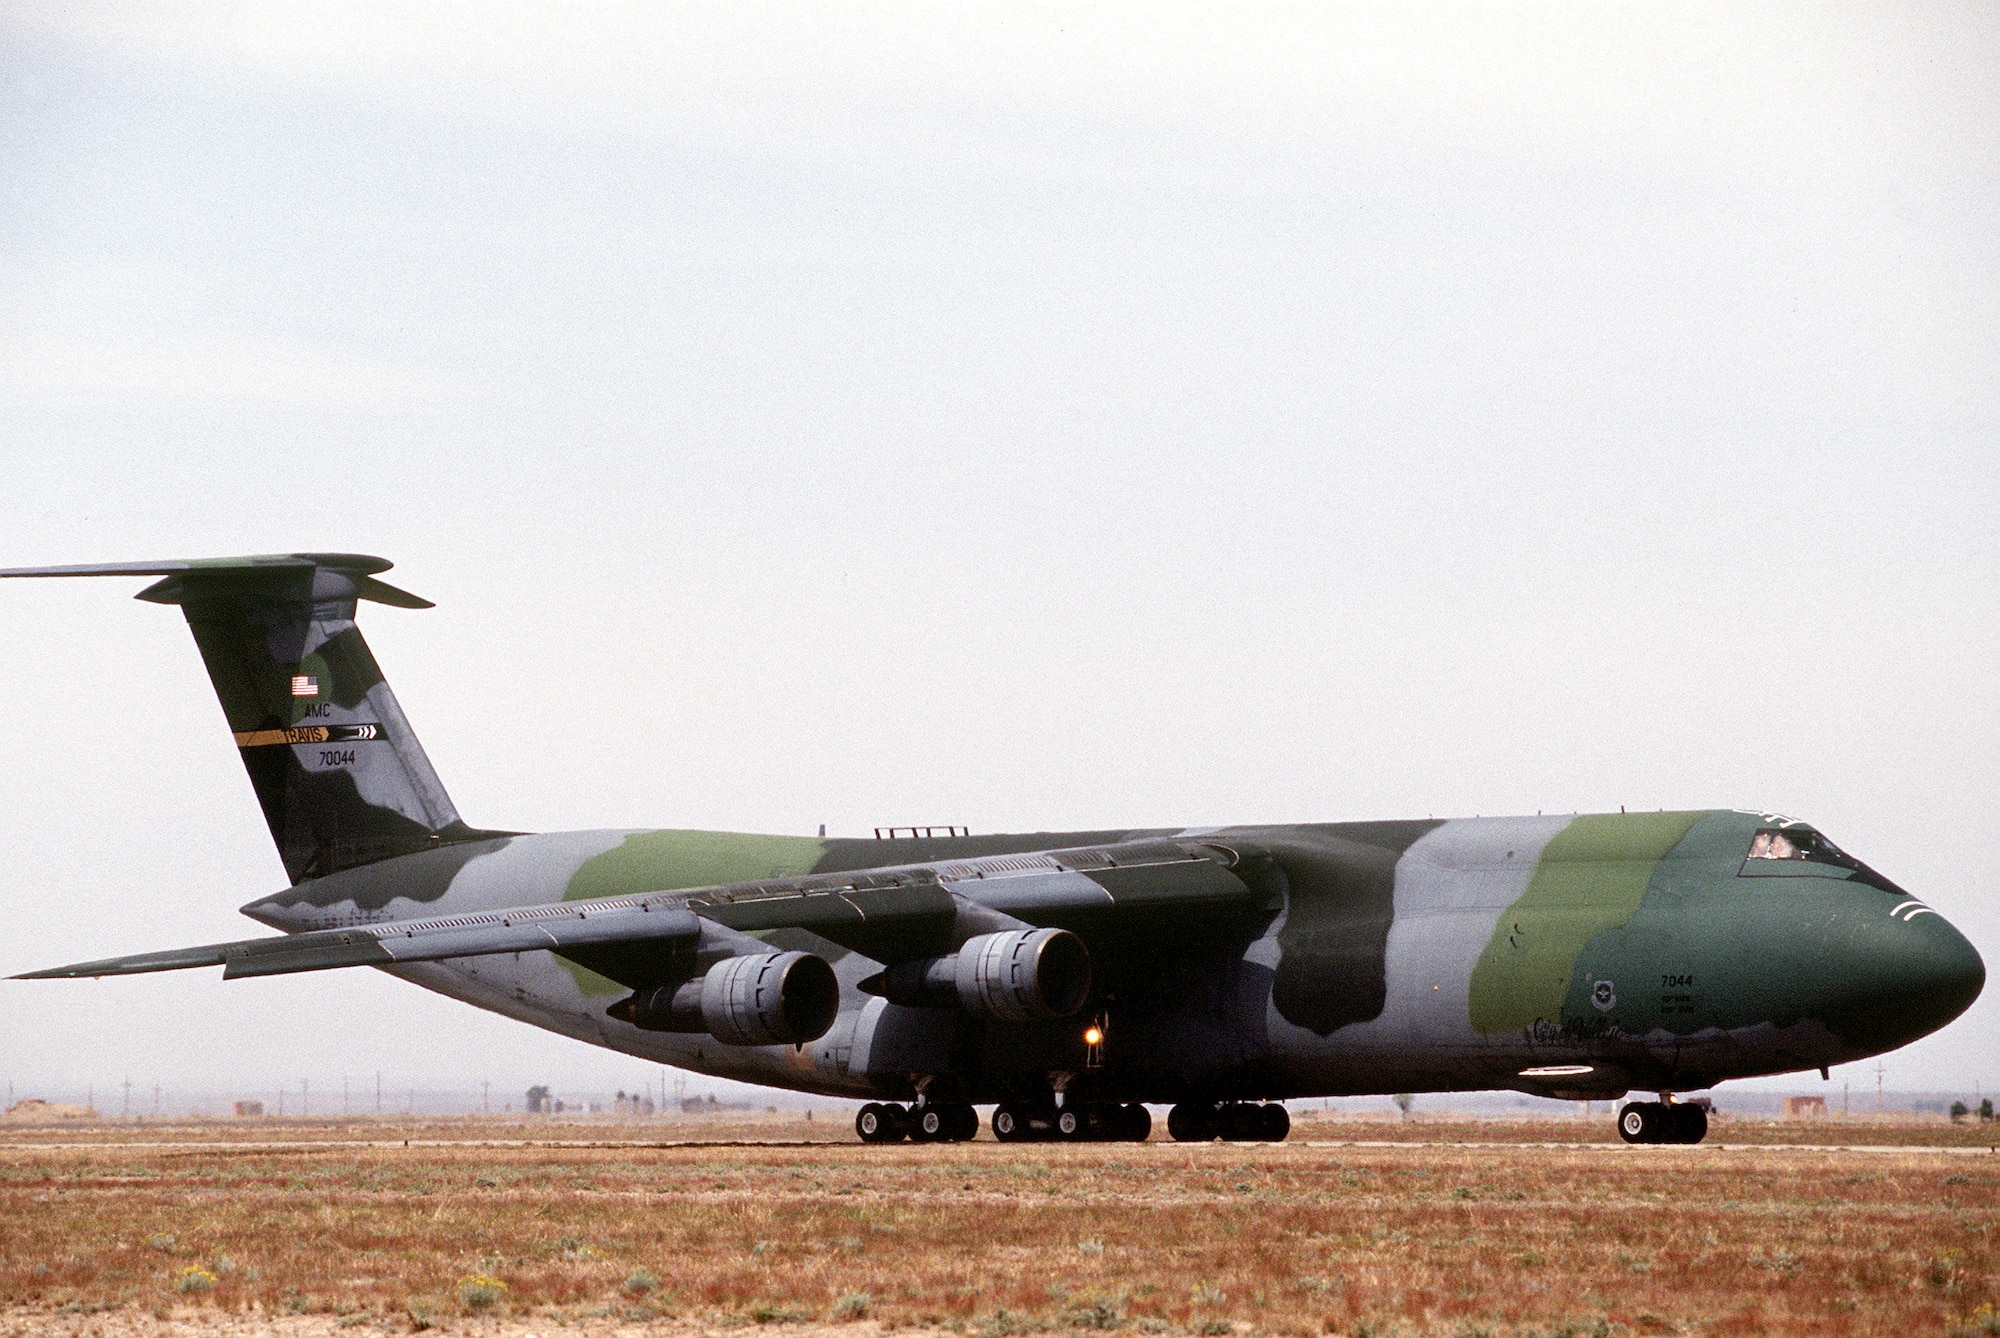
{"x": 1805, "y": 1108}
{"x": 244, "y": 1110}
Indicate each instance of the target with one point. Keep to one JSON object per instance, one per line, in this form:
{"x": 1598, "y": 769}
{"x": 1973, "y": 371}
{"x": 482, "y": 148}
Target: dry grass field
{"x": 1446, "y": 1227}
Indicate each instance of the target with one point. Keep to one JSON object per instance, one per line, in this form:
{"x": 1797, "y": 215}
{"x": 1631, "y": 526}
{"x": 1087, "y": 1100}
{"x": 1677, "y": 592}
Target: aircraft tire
{"x": 1135, "y": 1123}
{"x": 1277, "y": 1122}
{"x": 1242, "y": 1123}
{"x": 875, "y": 1124}
{"x": 1192, "y": 1122}
{"x": 964, "y": 1126}
{"x": 1072, "y": 1125}
{"x": 931, "y": 1124}
{"x": 1690, "y": 1123}
{"x": 1008, "y": 1126}
{"x": 1645, "y": 1122}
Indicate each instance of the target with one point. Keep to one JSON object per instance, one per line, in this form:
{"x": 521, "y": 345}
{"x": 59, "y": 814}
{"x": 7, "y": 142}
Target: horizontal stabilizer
{"x": 356, "y": 570}
{"x": 566, "y": 924}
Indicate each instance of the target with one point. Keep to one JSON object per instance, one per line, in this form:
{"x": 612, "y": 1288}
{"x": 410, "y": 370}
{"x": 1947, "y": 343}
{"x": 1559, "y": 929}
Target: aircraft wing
{"x": 567, "y": 924}
{"x": 891, "y": 914}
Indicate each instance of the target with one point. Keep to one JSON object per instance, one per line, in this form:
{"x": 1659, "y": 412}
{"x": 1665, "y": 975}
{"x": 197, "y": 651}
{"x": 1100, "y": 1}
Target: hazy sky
{"x": 1035, "y": 417}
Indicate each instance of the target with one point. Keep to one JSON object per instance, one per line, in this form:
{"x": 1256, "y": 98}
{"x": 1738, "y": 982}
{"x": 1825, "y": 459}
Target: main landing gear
{"x": 1231, "y": 1121}
{"x": 1096, "y": 1122}
{"x": 877, "y": 1122}
{"x": 1659, "y": 1122}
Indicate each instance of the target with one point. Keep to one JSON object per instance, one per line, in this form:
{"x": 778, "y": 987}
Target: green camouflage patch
{"x": 1591, "y": 878}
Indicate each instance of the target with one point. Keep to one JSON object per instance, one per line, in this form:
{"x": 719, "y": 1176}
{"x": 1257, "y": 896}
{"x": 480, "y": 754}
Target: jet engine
{"x": 771, "y": 998}
{"x": 1020, "y": 975}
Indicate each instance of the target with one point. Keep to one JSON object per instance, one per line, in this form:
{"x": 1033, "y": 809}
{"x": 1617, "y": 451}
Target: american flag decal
{"x": 305, "y": 685}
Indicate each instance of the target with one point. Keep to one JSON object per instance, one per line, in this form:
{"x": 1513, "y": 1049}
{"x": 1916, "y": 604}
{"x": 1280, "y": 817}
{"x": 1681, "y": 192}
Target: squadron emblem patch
{"x": 1603, "y": 996}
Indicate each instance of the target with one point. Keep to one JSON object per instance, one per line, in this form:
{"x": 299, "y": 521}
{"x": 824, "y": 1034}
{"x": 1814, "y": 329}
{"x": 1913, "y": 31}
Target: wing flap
{"x": 889, "y": 922}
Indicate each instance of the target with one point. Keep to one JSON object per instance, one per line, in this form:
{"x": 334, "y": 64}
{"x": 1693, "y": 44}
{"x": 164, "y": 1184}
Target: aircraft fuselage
{"x": 1566, "y": 955}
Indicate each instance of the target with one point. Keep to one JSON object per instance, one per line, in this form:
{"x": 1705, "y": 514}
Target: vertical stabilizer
{"x": 341, "y": 777}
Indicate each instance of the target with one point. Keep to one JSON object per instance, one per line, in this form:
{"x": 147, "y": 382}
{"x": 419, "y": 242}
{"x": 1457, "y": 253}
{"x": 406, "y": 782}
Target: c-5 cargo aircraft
{"x": 1071, "y": 977}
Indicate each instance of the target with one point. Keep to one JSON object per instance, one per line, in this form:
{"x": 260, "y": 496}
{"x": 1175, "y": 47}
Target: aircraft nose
{"x": 1909, "y": 972}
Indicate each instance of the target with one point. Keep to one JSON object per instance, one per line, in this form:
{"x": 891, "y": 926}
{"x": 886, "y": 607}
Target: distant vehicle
{"x": 1066, "y": 977}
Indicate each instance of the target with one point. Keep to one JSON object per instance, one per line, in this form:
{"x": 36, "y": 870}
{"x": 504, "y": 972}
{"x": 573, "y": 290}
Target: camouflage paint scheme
{"x": 1580, "y": 955}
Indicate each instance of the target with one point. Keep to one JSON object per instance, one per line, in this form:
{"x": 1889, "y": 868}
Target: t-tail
{"x": 341, "y": 776}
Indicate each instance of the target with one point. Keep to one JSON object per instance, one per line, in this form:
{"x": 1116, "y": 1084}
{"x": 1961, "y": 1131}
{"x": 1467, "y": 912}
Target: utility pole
{"x": 378, "y": 1091}
{"x": 156, "y": 1100}
{"x": 486, "y": 1096}
{"x": 126, "y": 1112}
{"x": 1878, "y": 1087}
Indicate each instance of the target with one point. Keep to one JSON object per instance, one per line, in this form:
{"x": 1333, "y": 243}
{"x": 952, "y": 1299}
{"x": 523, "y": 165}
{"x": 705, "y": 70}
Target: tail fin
{"x": 342, "y": 779}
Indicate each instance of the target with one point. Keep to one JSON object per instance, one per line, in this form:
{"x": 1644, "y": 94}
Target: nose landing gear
{"x": 1660, "y": 1122}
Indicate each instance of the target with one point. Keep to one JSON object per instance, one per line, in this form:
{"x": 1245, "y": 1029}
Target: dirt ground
{"x": 515, "y": 1227}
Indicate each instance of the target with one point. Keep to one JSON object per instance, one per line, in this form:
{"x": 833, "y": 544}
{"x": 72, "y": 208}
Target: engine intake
{"x": 1020, "y": 975}
{"x": 773, "y": 998}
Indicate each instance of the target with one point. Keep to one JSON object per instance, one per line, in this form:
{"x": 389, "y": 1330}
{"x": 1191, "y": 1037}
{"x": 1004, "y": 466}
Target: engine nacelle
{"x": 1019, "y": 975}
{"x": 768, "y": 998}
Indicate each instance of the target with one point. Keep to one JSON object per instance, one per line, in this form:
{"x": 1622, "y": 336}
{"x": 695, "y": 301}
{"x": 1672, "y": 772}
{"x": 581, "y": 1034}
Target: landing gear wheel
{"x": 1192, "y": 1122}
{"x": 1644, "y": 1122}
{"x": 964, "y": 1125}
{"x": 1008, "y": 1126}
{"x": 1135, "y": 1123}
{"x": 1277, "y": 1122}
{"x": 1071, "y": 1125}
{"x": 877, "y": 1123}
{"x": 1690, "y": 1123}
{"x": 1242, "y": 1123}
{"x": 933, "y": 1124}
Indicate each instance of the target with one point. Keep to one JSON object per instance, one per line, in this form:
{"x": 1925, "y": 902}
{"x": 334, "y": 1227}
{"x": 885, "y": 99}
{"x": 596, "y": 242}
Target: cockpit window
{"x": 1792, "y": 846}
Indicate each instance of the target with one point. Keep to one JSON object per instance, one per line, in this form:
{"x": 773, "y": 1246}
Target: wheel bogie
{"x": 1231, "y": 1121}
{"x": 1658, "y": 1122}
{"x": 931, "y": 1122}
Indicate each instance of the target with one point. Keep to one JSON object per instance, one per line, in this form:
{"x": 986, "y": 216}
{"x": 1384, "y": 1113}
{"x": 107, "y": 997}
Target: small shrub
{"x": 1090, "y": 1246}
{"x": 1096, "y": 1313}
{"x": 853, "y": 1306}
{"x": 193, "y": 1279}
{"x": 1981, "y": 1323}
{"x": 480, "y": 1291}
{"x": 163, "y": 1242}
{"x": 641, "y": 1282}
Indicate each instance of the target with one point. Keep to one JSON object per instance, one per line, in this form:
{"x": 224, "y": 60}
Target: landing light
{"x": 1093, "y": 1036}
